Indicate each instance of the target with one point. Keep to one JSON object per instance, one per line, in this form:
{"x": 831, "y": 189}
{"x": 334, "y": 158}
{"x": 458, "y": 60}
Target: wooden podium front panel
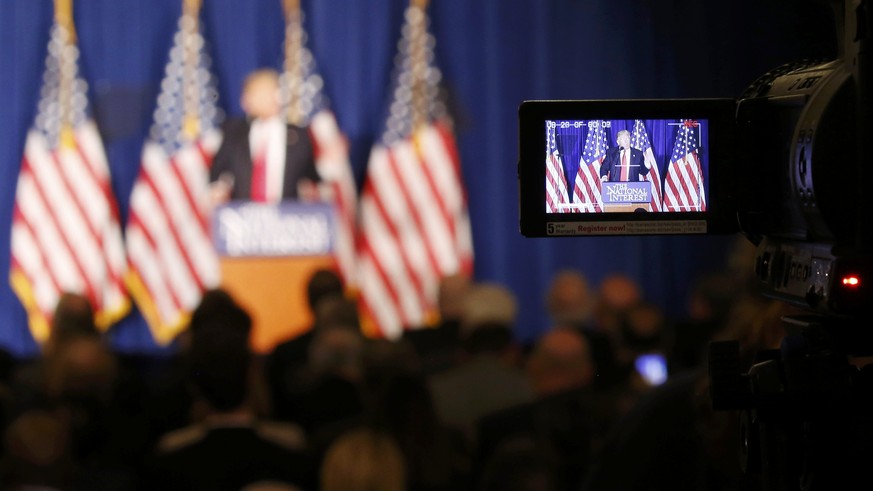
{"x": 273, "y": 291}
{"x": 626, "y": 207}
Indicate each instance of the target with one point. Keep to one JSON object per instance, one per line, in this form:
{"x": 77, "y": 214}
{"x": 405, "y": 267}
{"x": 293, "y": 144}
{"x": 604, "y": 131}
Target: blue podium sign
{"x": 245, "y": 229}
{"x": 626, "y": 192}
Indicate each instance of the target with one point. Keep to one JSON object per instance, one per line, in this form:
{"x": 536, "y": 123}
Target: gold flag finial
{"x": 292, "y": 6}
{"x": 191, "y": 7}
{"x": 64, "y": 17}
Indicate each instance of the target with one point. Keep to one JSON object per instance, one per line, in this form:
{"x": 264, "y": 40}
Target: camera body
{"x": 786, "y": 164}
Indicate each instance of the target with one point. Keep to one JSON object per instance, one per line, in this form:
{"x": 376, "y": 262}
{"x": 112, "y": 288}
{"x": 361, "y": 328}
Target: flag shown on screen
{"x": 414, "y": 223}
{"x": 683, "y": 187}
{"x": 587, "y": 190}
{"x": 556, "y": 183}
{"x": 640, "y": 141}
{"x": 306, "y": 106}
{"x": 65, "y": 233}
{"x": 169, "y": 247}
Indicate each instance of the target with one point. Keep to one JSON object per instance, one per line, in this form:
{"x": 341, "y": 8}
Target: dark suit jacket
{"x": 234, "y": 157}
{"x": 228, "y": 458}
{"x": 567, "y": 427}
{"x": 611, "y": 165}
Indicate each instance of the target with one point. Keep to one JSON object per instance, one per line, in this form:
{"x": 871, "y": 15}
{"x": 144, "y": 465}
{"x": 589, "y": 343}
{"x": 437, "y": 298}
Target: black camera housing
{"x": 788, "y": 165}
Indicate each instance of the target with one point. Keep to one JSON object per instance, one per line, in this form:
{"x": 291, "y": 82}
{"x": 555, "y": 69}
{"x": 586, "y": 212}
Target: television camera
{"x": 788, "y": 164}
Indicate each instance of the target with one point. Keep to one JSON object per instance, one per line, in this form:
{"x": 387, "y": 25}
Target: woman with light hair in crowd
{"x": 363, "y": 460}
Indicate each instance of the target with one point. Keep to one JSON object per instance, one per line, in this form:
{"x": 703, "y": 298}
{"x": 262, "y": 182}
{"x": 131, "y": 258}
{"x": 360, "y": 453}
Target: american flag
{"x": 65, "y": 233}
{"x": 640, "y": 141}
{"x": 556, "y": 183}
{"x": 683, "y": 188}
{"x": 172, "y": 259}
{"x": 587, "y": 190}
{"x": 305, "y": 105}
{"x": 414, "y": 223}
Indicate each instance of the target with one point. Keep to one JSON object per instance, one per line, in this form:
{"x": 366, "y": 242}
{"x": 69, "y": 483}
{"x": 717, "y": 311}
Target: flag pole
{"x": 190, "y": 16}
{"x": 418, "y": 61}
{"x": 64, "y": 17}
{"x": 66, "y": 73}
{"x": 292, "y": 63}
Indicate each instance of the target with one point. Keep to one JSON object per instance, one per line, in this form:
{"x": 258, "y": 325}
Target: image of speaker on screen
{"x": 262, "y": 158}
{"x": 624, "y": 163}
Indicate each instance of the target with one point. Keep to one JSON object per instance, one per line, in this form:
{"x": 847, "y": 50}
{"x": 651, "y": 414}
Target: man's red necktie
{"x": 259, "y": 171}
{"x": 624, "y": 166}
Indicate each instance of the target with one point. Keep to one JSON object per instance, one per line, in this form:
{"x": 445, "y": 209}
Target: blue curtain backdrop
{"x": 493, "y": 54}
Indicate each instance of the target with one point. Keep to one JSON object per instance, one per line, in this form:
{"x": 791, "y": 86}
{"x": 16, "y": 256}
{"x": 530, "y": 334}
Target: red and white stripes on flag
{"x": 684, "y": 186}
{"x": 586, "y": 192}
{"x": 172, "y": 260}
{"x": 169, "y": 247}
{"x": 640, "y": 141}
{"x": 304, "y": 104}
{"x": 556, "y": 182}
{"x": 414, "y": 228}
{"x": 334, "y": 167}
{"x": 65, "y": 235}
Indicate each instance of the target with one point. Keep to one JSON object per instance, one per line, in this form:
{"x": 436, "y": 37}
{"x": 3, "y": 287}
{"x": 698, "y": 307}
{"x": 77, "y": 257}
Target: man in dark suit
{"x": 262, "y": 158}
{"x": 623, "y": 163}
{"x": 227, "y": 447}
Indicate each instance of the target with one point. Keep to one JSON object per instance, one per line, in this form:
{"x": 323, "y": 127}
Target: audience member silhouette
{"x": 488, "y": 378}
{"x": 616, "y": 295}
{"x": 571, "y": 302}
{"x": 569, "y": 299}
{"x": 436, "y": 457}
{"x": 230, "y": 447}
{"x": 439, "y": 346}
{"x": 518, "y": 465}
{"x": 170, "y": 404}
{"x": 37, "y": 453}
{"x": 565, "y": 422}
{"x": 363, "y": 460}
{"x": 324, "y": 388}
{"x": 72, "y": 318}
{"x": 328, "y": 389}
{"x": 283, "y": 366}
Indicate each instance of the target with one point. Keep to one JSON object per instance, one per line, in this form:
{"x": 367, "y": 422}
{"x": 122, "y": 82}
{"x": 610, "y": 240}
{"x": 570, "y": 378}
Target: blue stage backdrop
{"x": 493, "y": 55}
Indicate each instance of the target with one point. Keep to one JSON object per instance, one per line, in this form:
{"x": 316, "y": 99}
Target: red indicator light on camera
{"x": 851, "y": 281}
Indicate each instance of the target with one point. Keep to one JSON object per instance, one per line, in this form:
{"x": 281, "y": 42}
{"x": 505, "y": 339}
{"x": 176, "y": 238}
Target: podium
{"x": 626, "y": 197}
{"x": 267, "y": 253}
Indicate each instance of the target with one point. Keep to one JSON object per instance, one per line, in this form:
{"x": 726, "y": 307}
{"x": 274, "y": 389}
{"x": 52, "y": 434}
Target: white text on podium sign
{"x": 284, "y": 229}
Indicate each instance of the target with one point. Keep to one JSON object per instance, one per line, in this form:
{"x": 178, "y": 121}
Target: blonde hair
{"x": 363, "y": 460}
{"x": 258, "y": 75}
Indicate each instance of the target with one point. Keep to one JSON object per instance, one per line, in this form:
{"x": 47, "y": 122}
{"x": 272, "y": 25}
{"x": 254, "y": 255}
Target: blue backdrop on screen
{"x": 493, "y": 55}
{"x": 661, "y": 133}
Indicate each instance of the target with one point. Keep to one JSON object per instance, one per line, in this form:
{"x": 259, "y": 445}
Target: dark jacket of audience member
{"x": 230, "y": 447}
{"x": 285, "y": 366}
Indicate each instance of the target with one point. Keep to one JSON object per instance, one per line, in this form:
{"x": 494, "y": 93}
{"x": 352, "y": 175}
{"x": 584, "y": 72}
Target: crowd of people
{"x": 458, "y": 406}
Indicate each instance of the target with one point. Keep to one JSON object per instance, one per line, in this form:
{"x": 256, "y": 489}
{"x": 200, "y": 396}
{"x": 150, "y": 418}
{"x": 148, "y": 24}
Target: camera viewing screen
{"x": 626, "y": 165}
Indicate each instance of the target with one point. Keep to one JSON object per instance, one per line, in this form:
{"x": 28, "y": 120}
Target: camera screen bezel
{"x": 720, "y": 215}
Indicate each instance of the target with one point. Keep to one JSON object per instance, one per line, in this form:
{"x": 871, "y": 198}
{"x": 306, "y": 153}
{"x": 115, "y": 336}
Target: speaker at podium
{"x": 267, "y": 253}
